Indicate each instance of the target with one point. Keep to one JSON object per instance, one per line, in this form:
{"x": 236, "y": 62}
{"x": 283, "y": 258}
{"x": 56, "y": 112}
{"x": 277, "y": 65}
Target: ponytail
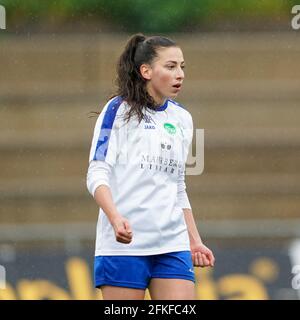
{"x": 127, "y": 58}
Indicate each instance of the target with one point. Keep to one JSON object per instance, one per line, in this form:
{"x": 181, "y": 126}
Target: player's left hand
{"x": 202, "y": 256}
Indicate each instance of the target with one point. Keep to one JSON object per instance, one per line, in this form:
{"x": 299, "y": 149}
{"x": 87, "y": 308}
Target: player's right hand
{"x": 122, "y": 230}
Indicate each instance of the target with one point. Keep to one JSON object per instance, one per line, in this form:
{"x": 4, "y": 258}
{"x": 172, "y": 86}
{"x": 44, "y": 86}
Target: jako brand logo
{"x": 150, "y": 123}
{"x": 296, "y": 19}
{"x": 2, "y": 18}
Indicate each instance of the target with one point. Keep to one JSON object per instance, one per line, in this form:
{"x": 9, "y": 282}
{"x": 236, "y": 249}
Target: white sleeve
{"x": 182, "y": 197}
{"x": 105, "y": 146}
{"x": 98, "y": 174}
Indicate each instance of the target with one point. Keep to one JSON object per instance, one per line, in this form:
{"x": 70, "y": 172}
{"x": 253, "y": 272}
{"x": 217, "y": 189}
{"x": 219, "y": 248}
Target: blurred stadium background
{"x": 57, "y": 63}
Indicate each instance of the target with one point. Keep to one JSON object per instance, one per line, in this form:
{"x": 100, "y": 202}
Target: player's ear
{"x": 146, "y": 71}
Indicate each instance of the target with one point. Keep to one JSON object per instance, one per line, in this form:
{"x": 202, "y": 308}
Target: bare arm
{"x": 201, "y": 255}
{"x": 191, "y": 225}
{"x": 121, "y": 225}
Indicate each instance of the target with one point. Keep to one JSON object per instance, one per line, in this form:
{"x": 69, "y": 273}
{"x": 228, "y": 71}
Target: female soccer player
{"x": 146, "y": 233}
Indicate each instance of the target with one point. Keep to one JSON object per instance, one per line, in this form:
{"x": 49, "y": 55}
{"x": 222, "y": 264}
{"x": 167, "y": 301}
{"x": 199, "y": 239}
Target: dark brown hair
{"x": 131, "y": 86}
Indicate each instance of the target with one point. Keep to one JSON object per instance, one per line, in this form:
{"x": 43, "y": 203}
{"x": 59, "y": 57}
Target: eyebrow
{"x": 175, "y": 61}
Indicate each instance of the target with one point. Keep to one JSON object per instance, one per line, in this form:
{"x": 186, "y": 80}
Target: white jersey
{"x": 143, "y": 164}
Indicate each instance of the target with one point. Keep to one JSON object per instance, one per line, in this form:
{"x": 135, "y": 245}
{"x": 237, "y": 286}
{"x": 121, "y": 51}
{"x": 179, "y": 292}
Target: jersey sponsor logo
{"x": 161, "y": 163}
{"x": 170, "y": 128}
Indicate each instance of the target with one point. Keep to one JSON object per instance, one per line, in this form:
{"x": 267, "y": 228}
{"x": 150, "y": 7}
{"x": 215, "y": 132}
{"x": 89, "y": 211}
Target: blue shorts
{"x": 137, "y": 271}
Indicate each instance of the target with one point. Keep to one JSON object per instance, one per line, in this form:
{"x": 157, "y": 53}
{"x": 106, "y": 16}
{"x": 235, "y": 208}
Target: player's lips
{"x": 177, "y": 86}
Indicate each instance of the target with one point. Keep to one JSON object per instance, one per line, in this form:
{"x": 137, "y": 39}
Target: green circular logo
{"x": 170, "y": 128}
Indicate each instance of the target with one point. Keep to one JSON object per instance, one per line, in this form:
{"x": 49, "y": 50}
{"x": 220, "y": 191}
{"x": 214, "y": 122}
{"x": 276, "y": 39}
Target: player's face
{"x": 166, "y": 74}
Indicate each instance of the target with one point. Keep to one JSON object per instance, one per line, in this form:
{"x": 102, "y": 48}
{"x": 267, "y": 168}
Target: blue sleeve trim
{"x": 106, "y": 127}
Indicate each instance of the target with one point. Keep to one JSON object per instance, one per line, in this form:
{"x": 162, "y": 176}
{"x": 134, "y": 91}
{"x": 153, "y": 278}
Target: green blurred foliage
{"x": 145, "y": 15}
